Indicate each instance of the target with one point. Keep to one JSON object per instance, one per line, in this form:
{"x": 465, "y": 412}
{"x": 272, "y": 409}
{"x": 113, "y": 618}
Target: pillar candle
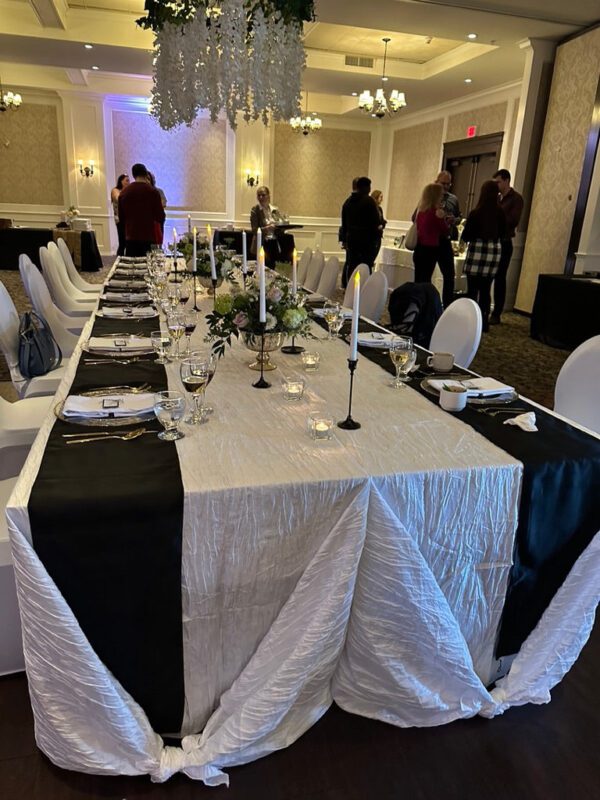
{"x": 295, "y": 271}
{"x": 262, "y": 308}
{"x": 244, "y": 254}
{"x": 355, "y": 316}
{"x": 195, "y": 256}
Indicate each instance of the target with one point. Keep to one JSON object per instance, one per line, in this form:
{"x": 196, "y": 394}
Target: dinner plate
{"x": 489, "y": 400}
{"x": 115, "y": 351}
{"x": 103, "y": 422}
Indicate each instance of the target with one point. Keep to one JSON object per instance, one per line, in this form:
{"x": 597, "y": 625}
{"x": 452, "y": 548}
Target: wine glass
{"x": 191, "y": 320}
{"x": 161, "y": 345}
{"x": 196, "y": 374}
{"x": 331, "y": 313}
{"x": 176, "y": 328}
{"x": 169, "y": 408}
{"x": 403, "y": 357}
{"x": 212, "y": 361}
{"x": 185, "y": 291}
{"x": 173, "y": 294}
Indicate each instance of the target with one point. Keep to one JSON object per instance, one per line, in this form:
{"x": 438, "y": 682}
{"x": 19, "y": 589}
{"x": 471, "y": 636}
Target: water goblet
{"x": 331, "y": 312}
{"x": 185, "y": 291}
{"x": 169, "y": 408}
{"x": 196, "y": 373}
{"x": 173, "y": 294}
{"x": 176, "y": 328}
{"x": 211, "y": 361}
{"x": 191, "y": 320}
{"x": 161, "y": 344}
{"x": 403, "y": 357}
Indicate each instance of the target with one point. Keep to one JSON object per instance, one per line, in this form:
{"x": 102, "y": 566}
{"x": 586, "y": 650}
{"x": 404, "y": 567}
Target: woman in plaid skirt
{"x": 485, "y": 227}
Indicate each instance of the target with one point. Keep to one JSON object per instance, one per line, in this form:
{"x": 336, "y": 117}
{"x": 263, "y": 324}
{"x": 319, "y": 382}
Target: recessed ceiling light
{"x": 468, "y": 80}
{"x": 385, "y": 78}
{"x": 94, "y": 67}
{"x": 354, "y": 94}
{"x": 88, "y": 46}
{"x": 471, "y": 35}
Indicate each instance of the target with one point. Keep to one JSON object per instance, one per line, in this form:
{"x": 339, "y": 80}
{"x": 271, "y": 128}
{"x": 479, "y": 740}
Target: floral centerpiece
{"x": 237, "y": 313}
{"x": 223, "y": 264}
{"x": 70, "y": 214}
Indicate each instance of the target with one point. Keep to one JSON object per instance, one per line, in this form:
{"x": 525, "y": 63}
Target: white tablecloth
{"x": 370, "y": 569}
{"x": 397, "y": 263}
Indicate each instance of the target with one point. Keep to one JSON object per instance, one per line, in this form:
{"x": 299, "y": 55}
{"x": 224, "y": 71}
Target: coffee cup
{"x": 441, "y": 362}
{"x": 453, "y": 398}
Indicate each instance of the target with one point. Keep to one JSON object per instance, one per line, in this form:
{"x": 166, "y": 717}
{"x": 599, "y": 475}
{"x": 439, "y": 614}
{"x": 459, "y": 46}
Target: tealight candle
{"x": 293, "y": 388}
{"x": 321, "y": 428}
{"x": 311, "y": 359}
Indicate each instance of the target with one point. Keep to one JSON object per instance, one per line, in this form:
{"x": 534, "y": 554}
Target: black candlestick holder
{"x": 293, "y": 348}
{"x": 349, "y": 424}
{"x": 214, "y": 285}
{"x": 261, "y": 383}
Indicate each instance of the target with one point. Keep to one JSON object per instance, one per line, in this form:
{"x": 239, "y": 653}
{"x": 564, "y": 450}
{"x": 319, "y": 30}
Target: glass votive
{"x": 320, "y": 428}
{"x": 311, "y": 359}
{"x": 293, "y": 388}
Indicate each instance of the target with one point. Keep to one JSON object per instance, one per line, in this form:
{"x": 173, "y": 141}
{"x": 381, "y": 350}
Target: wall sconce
{"x": 251, "y": 177}
{"x": 87, "y": 170}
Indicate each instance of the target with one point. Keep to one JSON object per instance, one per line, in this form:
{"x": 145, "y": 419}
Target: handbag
{"x": 411, "y": 238}
{"x": 38, "y": 351}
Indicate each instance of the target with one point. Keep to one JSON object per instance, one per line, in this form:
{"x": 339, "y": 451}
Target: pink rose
{"x": 241, "y": 319}
{"x": 274, "y": 294}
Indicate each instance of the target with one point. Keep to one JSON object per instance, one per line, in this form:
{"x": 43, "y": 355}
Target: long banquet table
{"x": 371, "y": 570}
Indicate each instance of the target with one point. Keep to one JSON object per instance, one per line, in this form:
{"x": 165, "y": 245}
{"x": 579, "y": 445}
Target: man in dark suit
{"x": 141, "y": 212}
{"x": 360, "y": 226}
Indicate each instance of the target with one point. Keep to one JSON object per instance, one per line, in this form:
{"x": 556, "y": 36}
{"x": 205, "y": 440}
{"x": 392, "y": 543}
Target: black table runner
{"x": 559, "y": 507}
{"x": 106, "y": 521}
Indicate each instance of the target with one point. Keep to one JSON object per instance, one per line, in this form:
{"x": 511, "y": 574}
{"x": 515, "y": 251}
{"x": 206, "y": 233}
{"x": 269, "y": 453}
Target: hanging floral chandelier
{"x": 306, "y": 124}
{"x": 230, "y": 56}
{"x": 380, "y": 105}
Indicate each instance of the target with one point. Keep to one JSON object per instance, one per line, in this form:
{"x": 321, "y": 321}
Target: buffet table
{"x": 310, "y": 571}
{"x": 14, "y": 241}
{"x": 397, "y": 263}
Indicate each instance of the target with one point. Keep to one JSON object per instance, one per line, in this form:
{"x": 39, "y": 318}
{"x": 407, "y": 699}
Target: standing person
{"x": 360, "y": 222}
{"x": 484, "y": 230}
{"x": 122, "y": 183}
{"x": 141, "y": 211}
{"x": 445, "y": 259}
{"x": 430, "y": 219}
{"x": 342, "y": 234}
{"x": 277, "y": 244}
{"x": 511, "y": 203}
{"x": 377, "y": 195}
{"x": 160, "y": 232}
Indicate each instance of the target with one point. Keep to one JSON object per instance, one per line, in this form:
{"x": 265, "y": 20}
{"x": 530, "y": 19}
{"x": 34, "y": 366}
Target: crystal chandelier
{"x": 306, "y": 124}
{"x": 380, "y": 105}
{"x": 9, "y": 100}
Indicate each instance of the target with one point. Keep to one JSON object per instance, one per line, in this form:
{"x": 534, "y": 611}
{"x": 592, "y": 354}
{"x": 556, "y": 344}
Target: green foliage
{"x": 159, "y": 12}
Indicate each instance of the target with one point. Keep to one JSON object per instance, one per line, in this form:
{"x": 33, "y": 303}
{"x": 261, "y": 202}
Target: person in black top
{"x": 377, "y": 195}
{"x": 360, "y": 228}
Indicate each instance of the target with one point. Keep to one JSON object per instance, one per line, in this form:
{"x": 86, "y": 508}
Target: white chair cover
{"x": 315, "y": 269}
{"x": 74, "y": 275}
{"x": 349, "y": 294}
{"x": 9, "y": 344}
{"x": 303, "y": 266}
{"x": 59, "y": 294}
{"x": 328, "y": 282}
{"x": 11, "y": 647}
{"x": 373, "y": 296}
{"x": 38, "y": 294}
{"x": 458, "y": 331}
{"x": 577, "y": 391}
{"x": 20, "y": 421}
{"x": 60, "y": 269}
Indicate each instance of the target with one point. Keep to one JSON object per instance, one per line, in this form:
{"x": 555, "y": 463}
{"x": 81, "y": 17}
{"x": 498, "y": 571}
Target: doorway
{"x": 471, "y": 162}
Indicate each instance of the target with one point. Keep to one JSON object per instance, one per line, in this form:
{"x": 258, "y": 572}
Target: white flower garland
{"x": 222, "y": 62}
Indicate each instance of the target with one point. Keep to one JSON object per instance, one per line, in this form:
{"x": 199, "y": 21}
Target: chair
{"x": 59, "y": 294}
{"x": 20, "y": 421}
{"x": 60, "y": 269}
{"x": 458, "y": 331}
{"x": 315, "y": 269}
{"x": 577, "y": 391}
{"x": 373, "y": 296}
{"x": 414, "y": 310}
{"x": 328, "y": 282}
{"x": 9, "y": 344}
{"x": 349, "y": 293}
{"x": 11, "y": 647}
{"x": 74, "y": 275}
{"x": 60, "y": 324}
{"x": 303, "y": 266}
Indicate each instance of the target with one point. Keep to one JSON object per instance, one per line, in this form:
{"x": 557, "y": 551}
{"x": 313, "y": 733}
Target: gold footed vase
{"x": 273, "y": 341}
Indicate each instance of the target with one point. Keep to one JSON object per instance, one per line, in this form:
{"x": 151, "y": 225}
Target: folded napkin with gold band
{"x": 320, "y": 312}
{"x": 131, "y": 284}
{"x": 132, "y": 260}
{"x": 123, "y": 312}
{"x": 476, "y": 387}
{"x": 113, "y": 405}
{"x": 375, "y": 339}
{"x": 132, "y": 297}
{"x": 129, "y": 344}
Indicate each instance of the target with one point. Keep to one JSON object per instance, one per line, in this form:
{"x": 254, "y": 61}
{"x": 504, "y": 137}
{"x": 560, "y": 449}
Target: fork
{"x": 110, "y": 360}
{"x": 492, "y": 412}
{"x": 132, "y": 389}
{"x": 126, "y": 437}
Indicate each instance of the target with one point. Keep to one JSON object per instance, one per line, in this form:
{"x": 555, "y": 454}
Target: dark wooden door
{"x": 471, "y": 162}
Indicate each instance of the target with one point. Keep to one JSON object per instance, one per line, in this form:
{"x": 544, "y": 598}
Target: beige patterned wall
{"x": 568, "y": 120}
{"x": 189, "y": 163}
{"x": 488, "y": 119}
{"x": 415, "y": 162}
{"x": 312, "y": 175}
{"x": 30, "y": 165}
{"x": 510, "y": 135}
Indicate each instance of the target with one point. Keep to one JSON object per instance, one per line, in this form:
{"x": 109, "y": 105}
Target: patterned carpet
{"x": 506, "y": 352}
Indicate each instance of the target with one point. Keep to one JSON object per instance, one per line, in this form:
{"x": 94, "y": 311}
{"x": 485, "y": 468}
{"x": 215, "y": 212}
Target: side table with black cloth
{"x": 566, "y": 310}
{"x": 116, "y": 554}
{"x": 14, "y": 241}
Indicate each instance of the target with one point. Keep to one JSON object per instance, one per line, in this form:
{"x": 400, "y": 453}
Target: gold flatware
{"x": 139, "y": 431}
{"x": 126, "y": 437}
{"x": 108, "y": 389}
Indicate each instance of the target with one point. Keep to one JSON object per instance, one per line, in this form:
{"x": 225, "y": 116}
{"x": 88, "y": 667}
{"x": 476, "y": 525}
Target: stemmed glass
{"x": 173, "y": 295}
{"x": 169, "y": 408}
{"x": 403, "y": 357}
{"x": 191, "y": 320}
{"x": 212, "y": 361}
{"x": 332, "y": 313}
{"x": 161, "y": 344}
{"x": 176, "y": 328}
{"x": 185, "y": 291}
{"x": 196, "y": 373}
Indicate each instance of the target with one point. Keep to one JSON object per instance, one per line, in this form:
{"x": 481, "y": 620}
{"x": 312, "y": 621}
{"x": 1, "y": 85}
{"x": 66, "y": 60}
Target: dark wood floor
{"x": 549, "y": 752}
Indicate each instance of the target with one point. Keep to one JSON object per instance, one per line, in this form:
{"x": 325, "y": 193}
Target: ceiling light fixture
{"x": 380, "y": 105}
{"x": 88, "y": 46}
{"x": 468, "y": 80}
{"x": 9, "y": 101}
{"x": 94, "y": 67}
{"x": 306, "y": 124}
{"x": 471, "y": 35}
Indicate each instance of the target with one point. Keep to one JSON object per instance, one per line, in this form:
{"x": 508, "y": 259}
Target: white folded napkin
{"x": 375, "y": 339}
{"x": 123, "y": 312}
{"x": 133, "y": 297}
{"x": 132, "y": 260}
{"x": 129, "y": 344}
{"x": 114, "y": 405}
{"x": 320, "y": 312}
{"x": 131, "y": 284}
{"x": 524, "y": 421}
{"x": 476, "y": 387}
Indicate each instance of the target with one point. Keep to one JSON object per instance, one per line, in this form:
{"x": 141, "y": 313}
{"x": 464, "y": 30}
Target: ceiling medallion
{"x": 227, "y": 56}
{"x": 380, "y": 105}
{"x": 306, "y": 124}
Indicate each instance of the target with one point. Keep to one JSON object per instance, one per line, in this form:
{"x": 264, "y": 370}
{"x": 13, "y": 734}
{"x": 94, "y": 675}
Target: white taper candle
{"x": 262, "y": 308}
{"x": 355, "y": 317}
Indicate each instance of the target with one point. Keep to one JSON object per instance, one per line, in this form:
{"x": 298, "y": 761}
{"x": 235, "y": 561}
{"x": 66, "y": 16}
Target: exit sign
{"x": 471, "y": 131}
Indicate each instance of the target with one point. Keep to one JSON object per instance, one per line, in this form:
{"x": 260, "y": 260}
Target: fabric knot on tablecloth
{"x": 188, "y": 759}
